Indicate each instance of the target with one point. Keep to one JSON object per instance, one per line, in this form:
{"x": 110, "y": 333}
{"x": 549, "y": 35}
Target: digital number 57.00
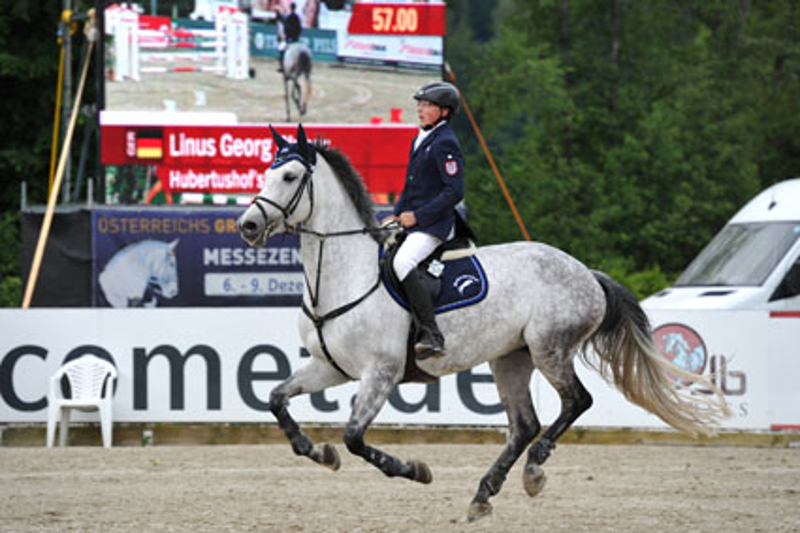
{"x": 384, "y": 20}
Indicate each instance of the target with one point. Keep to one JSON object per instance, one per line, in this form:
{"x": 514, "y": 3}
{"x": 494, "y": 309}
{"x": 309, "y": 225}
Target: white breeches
{"x": 415, "y": 248}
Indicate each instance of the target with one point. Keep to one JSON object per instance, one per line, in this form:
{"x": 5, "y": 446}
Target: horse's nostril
{"x": 250, "y": 226}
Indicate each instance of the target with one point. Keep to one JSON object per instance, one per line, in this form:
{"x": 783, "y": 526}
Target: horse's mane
{"x": 353, "y": 185}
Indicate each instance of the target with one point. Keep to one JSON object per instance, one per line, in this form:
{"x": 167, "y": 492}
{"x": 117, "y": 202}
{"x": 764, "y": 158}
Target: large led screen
{"x": 354, "y": 63}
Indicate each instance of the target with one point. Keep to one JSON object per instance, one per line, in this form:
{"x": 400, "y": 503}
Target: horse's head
{"x": 165, "y": 272}
{"x": 287, "y": 197}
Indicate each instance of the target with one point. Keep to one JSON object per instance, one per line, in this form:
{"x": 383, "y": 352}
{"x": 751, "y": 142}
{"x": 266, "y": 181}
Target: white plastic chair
{"x": 92, "y": 382}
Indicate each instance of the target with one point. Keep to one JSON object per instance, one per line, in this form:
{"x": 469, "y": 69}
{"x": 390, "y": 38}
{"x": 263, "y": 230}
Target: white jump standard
{"x": 137, "y": 51}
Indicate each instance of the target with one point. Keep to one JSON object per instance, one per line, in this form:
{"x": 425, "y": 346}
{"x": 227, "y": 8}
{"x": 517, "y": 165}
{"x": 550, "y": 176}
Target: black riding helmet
{"x": 440, "y": 93}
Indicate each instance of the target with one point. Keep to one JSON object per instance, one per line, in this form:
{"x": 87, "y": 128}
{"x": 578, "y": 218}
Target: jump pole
{"x": 62, "y": 163}
{"x": 452, "y": 77}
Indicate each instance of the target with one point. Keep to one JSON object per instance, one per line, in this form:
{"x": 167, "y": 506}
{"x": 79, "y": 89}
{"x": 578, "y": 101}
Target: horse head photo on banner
{"x": 140, "y": 274}
{"x": 541, "y": 309}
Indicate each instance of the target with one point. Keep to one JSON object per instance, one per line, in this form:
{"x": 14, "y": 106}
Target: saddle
{"x": 453, "y": 276}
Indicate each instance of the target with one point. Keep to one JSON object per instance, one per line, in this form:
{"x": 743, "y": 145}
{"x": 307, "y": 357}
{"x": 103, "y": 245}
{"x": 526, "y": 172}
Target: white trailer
{"x": 752, "y": 263}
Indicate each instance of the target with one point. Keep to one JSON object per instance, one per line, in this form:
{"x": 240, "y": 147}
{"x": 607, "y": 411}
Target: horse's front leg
{"x": 373, "y": 392}
{"x": 314, "y": 376}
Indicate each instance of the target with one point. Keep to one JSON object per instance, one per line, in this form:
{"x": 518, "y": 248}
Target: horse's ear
{"x": 280, "y": 141}
{"x": 306, "y": 150}
{"x": 302, "y": 140}
{"x": 172, "y": 246}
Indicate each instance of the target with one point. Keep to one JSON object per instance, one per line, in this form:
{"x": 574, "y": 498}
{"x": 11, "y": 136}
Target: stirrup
{"x": 427, "y": 353}
{"x": 426, "y": 348}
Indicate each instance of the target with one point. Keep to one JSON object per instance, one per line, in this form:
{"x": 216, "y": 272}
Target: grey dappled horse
{"x": 297, "y": 65}
{"x": 543, "y": 307}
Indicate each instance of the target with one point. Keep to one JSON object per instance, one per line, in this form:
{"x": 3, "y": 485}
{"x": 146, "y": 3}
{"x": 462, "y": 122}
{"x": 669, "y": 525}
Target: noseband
{"x": 294, "y": 201}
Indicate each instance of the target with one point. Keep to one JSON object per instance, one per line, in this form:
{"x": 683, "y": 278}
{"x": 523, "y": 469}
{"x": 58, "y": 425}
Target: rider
{"x": 291, "y": 31}
{"x": 426, "y": 208}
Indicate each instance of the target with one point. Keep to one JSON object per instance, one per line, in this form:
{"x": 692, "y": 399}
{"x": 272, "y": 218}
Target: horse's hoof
{"x": 533, "y": 479}
{"x": 330, "y": 457}
{"x": 422, "y": 473}
{"x": 478, "y": 510}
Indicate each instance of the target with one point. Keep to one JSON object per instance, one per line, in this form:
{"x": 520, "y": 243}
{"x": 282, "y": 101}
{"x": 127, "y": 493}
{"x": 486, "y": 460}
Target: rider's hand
{"x": 407, "y": 219}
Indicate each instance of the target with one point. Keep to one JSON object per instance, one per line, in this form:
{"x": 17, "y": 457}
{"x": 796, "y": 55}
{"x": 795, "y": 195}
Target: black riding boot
{"x": 429, "y": 340}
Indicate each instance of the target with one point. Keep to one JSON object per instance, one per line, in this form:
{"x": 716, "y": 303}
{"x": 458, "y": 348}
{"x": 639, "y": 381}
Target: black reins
{"x": 317, "y": 320}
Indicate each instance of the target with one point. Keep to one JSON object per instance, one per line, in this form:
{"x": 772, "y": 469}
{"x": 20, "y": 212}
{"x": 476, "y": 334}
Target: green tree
{"x": 630, "y": 131}
{"x": 29, "y": 64}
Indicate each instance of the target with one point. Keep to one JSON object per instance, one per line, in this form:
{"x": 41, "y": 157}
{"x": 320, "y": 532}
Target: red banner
{"x": 400, "y": 18}
{"x": 150, "y": 22}
{"x": 233, "y": 159}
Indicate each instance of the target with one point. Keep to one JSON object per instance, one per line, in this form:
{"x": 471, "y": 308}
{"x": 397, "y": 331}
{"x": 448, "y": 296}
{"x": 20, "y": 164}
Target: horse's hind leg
{"x": 372, "y": 394}
{"x": 558, "y": 367}
{"x": 313, "y": 377}
{"x": 305, "y": 95}
{"x": 512, "y": 374}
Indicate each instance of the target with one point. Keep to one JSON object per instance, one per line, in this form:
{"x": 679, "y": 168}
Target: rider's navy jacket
{"x": 434, "y": 182}
{"x": 291, "y": 27}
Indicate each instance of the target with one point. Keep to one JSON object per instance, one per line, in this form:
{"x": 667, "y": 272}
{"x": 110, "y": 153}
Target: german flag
{"x": 149, "y": 144}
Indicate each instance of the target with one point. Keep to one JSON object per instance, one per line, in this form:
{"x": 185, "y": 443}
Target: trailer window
{"x": 741, "y": 254}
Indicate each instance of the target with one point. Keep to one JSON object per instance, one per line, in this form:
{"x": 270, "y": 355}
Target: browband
{"x": 290, "y": 153}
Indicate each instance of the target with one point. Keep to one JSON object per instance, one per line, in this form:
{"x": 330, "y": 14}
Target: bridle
{"x": 287, "y": 211}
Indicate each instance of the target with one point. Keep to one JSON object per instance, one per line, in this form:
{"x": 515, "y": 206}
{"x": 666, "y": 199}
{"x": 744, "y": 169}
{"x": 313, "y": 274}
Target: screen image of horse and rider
{"x": 187, "y": 62}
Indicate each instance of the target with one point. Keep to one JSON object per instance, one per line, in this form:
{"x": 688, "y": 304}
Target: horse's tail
{"x": 304, "y": 63}
{"x": 628, "y": 358}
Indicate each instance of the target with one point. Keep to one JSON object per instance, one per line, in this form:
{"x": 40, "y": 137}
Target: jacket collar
{"x": 430, "y": 136}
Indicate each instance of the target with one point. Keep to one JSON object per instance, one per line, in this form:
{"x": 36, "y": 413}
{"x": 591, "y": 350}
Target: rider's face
{"x": 428, "y": 113}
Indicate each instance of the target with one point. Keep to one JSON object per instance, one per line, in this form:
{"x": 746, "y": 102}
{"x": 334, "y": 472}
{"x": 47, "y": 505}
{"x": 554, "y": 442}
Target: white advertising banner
{"x": 401, "y": 50}
{"x": 752, "y": 357}
{"x": 215, "y": 365}
{"x": 205, "y": 365}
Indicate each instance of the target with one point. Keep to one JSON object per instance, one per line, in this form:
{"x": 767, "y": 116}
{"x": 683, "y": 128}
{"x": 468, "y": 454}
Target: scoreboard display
{"x": 397, "y": 19}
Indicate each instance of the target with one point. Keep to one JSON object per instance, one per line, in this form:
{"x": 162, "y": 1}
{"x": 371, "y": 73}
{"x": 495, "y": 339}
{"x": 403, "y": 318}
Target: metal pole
{"x": 66, "y": 107}
{"x": 89, "y": 193}
{"x": 100, "y": 86}
{"x": 88, "y": 131}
